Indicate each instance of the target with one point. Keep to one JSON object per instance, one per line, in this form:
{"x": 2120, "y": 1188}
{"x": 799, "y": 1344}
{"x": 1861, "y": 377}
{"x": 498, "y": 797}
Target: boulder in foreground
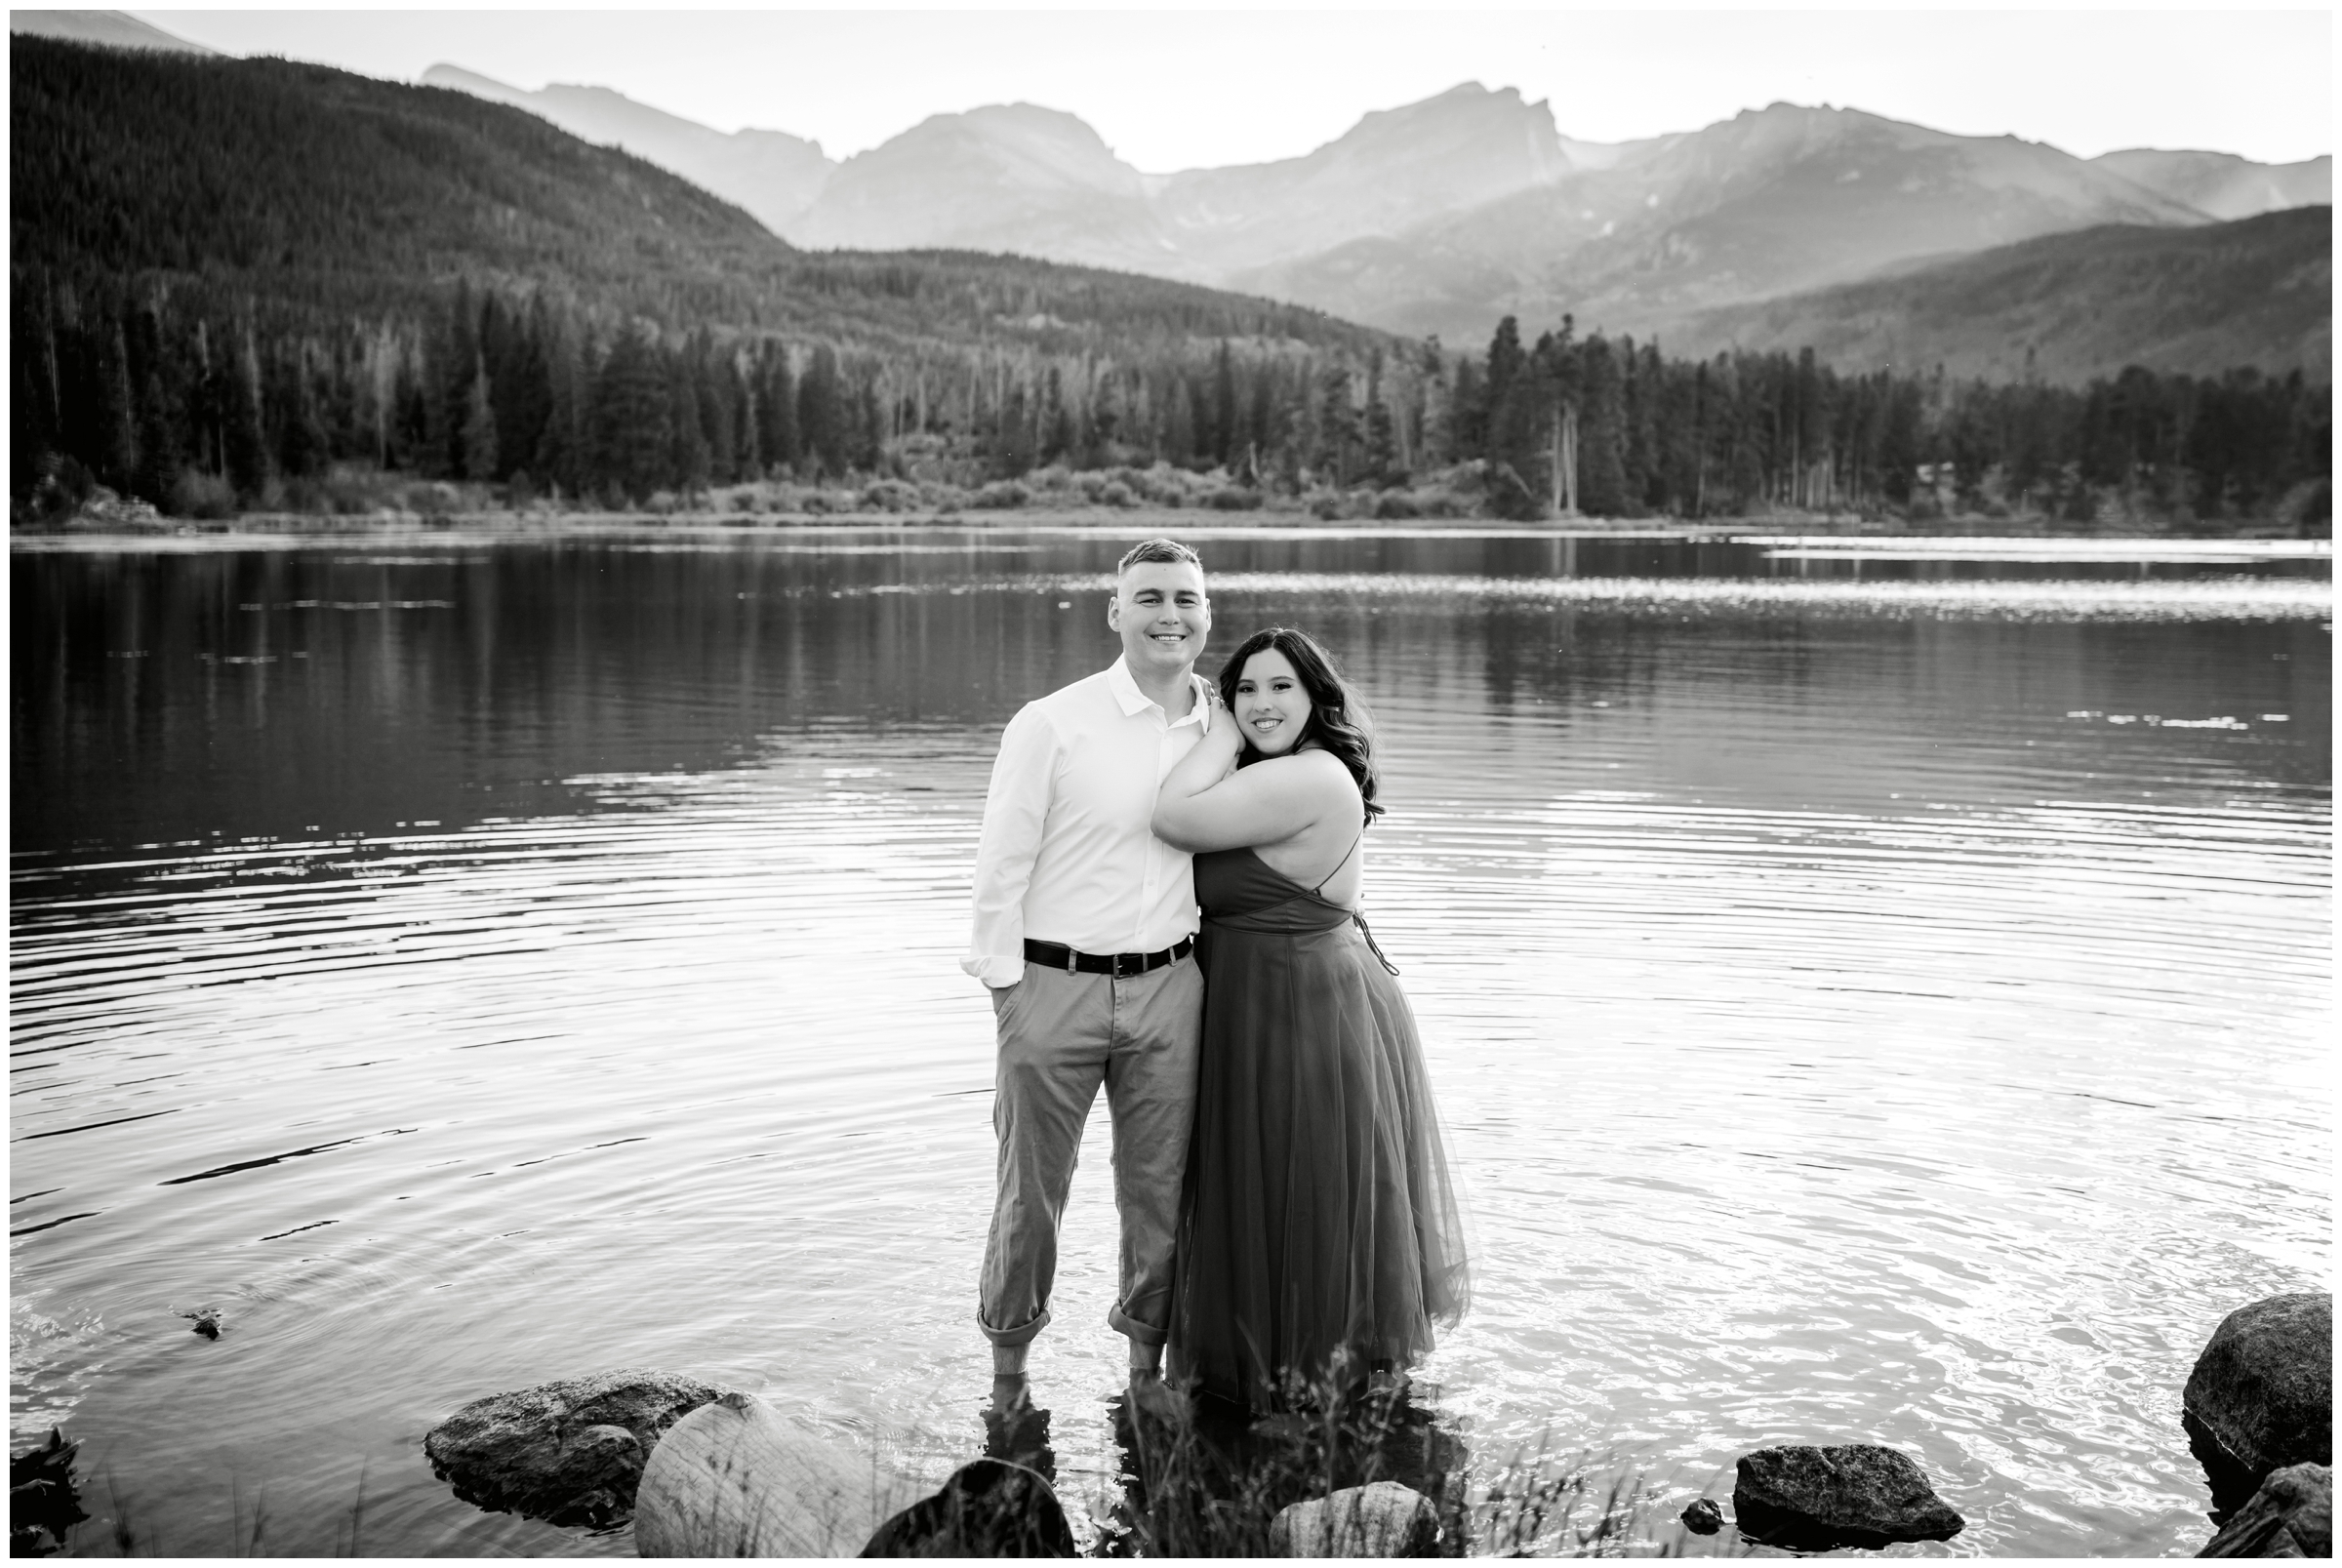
{"x": 1383, "y": 1519}
{"x": 2262, "y": 1394}
{"x": 569, "y": 1452}
{"x": 1818, "y": 1499}
{"x": 733, "y": 1479}
{"x": 2291, "y": 1516}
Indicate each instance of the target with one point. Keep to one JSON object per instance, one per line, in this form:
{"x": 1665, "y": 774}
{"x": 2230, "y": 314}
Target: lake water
{"x": 1872, "y": 997}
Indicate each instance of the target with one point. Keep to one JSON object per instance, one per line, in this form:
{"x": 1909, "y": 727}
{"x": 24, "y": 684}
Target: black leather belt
{"x": 1120, "y": 965}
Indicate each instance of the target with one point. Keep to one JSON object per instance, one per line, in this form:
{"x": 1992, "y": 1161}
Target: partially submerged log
{"x": 733, "y": 1479}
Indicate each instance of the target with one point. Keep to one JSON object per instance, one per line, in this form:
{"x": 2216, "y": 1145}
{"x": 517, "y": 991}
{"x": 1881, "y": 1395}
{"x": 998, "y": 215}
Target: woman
{"x": 1319, "y": 1238}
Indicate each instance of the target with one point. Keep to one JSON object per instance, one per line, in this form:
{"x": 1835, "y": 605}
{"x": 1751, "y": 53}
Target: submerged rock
{"x": 568, "y": 1453}
{"x": 2262, "y": 1394}
{"x": 1703, "y": 1517}
{"x": 1858, "y": 1495}
{"x": 1383, "y": 1519}
{"x": 2291, "y": 1516}
{"x": 989, "y": 1508}
{"x": 206, "y": 1320}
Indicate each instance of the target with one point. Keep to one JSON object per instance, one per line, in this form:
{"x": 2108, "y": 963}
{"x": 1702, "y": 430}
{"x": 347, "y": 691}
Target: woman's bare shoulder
{"x": 1319, "y": 772}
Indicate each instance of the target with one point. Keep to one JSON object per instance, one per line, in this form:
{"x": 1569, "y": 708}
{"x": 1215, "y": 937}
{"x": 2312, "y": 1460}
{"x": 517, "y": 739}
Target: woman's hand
{"x": 1206, "y": 803}
{"x": 1224, "y": 731}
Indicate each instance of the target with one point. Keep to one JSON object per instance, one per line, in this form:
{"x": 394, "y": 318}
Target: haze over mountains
{"x": 117, "y": 29}
{"x": 1442, "y": 216}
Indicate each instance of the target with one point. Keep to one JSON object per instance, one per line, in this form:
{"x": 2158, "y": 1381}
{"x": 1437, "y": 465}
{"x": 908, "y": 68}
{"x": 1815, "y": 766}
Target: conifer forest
{"x": 452, "y": 289}
{"x": 197, "y": 406}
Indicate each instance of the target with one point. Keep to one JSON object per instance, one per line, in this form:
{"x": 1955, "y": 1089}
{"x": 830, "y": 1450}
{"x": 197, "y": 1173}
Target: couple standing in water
{"x": 1285, "y": 1208}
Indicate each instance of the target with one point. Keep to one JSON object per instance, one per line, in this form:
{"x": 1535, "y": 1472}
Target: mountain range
{"x": 116, "y": 29}
{"x": 1442, "y": 216}
{"x": 316, "y": 195}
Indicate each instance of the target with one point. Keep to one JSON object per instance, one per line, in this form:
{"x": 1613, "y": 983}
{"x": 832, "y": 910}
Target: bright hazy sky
{"x": 1185, "y": 88}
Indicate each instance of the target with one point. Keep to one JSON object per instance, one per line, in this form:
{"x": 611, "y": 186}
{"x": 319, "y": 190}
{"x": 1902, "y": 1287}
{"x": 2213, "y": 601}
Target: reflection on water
{"x": 1869, "y": 1006}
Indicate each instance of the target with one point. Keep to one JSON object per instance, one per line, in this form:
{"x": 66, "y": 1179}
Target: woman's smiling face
{"x": 1273, "y": 708}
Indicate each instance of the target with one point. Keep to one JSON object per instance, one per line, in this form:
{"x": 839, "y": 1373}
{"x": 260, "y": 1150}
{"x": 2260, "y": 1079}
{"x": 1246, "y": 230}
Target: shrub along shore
{"x": 1164, "y": 498}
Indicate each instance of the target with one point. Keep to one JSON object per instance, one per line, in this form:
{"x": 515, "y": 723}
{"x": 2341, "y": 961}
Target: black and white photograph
{"x": 1171, "y": 782}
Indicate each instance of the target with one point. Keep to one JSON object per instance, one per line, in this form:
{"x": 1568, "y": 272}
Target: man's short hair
{"x": 1168, "y": 552}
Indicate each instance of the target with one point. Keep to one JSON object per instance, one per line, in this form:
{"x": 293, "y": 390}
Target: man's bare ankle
{"x": 1008, "y": 1360}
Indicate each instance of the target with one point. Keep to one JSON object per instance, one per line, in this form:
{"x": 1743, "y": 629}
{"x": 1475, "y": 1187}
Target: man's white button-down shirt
{"x": 1067, "y": 854}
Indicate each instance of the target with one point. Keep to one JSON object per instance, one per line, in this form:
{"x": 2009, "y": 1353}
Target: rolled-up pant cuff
{"x": 1022, "y": 1334}
{"x": 1134, "y": 1329}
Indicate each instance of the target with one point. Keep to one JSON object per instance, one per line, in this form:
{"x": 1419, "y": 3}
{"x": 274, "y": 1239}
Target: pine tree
{"x": 1340, "y": 442}
{"x": 1380, "y": 440}
{"x": 821, "y": 422}
{"x": 303, "y": 444}
{"x": 631, "y": 419}
{"x": 563, "y": 455}
{"x": 1601, "y": 470}
{"x": 114, "y": 457}
{"x": 1223, "y": 408}
{"x": 478, "y": 444}
{"x": 688, "y": 467}
{"x": 867, "y": 451}
{"x": 777, "y": 409}
{"x": 244, "y": 445}
{"x": 711, "y": 378}
{"x": 1520, "y": 450}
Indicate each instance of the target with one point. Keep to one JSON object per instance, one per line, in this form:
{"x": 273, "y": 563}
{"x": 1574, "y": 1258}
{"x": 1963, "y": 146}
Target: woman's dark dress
{"x": 1319, "y": 1217}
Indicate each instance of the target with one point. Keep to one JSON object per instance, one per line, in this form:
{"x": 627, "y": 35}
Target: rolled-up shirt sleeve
{"x": 1015, "y": 809}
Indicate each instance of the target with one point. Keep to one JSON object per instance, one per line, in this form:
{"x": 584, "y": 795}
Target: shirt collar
{"x": 1125, "y": 687}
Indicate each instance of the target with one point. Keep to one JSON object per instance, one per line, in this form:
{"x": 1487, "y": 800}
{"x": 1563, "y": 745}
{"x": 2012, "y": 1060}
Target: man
{"x": 1085, "y": 922}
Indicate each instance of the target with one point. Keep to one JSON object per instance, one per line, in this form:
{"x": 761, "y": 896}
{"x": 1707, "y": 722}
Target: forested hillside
{"x": 2066, "y": 307}
{"x": 254, "y": 283}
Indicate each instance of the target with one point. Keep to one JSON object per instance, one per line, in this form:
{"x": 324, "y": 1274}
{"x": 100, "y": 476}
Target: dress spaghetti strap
{"x": 1319, "y": 889}
{"x": 1364, "y": 930}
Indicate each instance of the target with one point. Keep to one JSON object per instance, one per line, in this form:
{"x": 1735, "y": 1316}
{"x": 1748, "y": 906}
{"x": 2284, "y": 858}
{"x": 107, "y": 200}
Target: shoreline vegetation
{"x": 1164, "y": 500}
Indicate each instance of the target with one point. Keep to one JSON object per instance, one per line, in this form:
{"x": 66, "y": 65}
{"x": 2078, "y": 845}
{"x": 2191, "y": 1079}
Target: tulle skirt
{"x": 1319, "y": 1233}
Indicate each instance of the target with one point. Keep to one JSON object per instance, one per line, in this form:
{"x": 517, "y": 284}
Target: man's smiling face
{"x": 1161, "y": 610}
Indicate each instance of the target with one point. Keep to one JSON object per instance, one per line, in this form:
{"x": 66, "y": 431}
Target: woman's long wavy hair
{"x": 1338, "y": 719}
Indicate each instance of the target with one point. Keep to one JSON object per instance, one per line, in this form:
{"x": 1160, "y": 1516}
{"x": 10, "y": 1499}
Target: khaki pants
{"x": 1062, "y": 1035}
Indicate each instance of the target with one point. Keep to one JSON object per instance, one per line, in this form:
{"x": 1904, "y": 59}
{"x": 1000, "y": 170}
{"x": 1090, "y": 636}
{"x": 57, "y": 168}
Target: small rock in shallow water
{"x": 1381, "y": 1520}
{"x": 41, "y": 1499}
{"x": 2262, "y": 1394}
{"x": 1818, "y": 1499}
{"x": 988, "y": 1508}
{"x": 2291, "y": 1516}
{"x": 568, "y": 1453}
{"x": 206, "y": 1320}
{"x": 1703, "y": 1517}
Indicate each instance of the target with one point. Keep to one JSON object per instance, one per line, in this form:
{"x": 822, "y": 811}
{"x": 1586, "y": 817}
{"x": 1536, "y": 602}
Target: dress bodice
{"x": 1238, "y": 889}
